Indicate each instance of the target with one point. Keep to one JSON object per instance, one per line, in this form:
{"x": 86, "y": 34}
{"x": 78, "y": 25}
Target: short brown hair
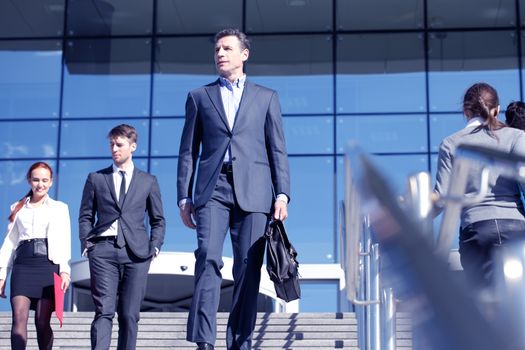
{"x": 124, "y": 130}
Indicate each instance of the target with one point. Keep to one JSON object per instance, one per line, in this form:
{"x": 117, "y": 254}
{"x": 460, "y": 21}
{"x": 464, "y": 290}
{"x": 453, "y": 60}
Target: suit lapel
{"x": 108, "y": 175}
{"x": 214, "y": 92}
{"x": 132, "y": 189}
{"x": 248, "y": 94}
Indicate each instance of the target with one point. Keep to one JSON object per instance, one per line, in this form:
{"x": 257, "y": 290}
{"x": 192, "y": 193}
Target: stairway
{"x": 167, "y": 330}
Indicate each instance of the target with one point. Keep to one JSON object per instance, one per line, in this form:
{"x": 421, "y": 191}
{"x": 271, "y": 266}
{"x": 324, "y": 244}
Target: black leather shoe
{"x": 205, "y": 346}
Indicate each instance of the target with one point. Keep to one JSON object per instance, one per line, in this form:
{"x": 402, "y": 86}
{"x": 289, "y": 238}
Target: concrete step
{"x": 167, "y": 330}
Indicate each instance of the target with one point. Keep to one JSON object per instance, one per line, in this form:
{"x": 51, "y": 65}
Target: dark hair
{"x": 515, "y": 115}
{"x": 479, "y": 100}
{"x": 243, "y": 39}
{"x": 124, "y": 130}
{"x": 22, "y": 200}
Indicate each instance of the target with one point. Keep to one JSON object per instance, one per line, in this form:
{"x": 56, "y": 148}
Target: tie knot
{"x": 122, "y": 173}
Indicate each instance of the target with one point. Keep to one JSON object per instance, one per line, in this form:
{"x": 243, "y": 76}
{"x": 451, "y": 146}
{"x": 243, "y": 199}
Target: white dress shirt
{"x": 33, "y": 222}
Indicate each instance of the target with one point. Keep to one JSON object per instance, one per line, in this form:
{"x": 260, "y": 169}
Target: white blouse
{"x": 32, "y": 222}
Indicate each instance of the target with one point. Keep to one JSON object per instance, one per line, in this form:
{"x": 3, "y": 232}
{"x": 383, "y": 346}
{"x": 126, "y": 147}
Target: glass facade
{"x": 388, "y": 74}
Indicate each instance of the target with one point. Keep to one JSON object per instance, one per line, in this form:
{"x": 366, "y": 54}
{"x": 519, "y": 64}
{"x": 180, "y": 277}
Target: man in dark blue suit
{"x": 236, "y": 127}
{"x": 114, "y": 237}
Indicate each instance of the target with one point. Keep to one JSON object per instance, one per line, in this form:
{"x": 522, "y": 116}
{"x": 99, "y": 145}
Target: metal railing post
{"x": 388, "y": 317}
{"x": 374, "y": 309}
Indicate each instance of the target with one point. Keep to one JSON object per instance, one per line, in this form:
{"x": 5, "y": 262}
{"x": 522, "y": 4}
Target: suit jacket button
{"x": 234, "y": 158}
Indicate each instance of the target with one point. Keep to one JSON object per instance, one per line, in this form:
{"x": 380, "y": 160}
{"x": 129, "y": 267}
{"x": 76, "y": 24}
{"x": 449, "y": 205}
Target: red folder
{"x": 59, "y": 298}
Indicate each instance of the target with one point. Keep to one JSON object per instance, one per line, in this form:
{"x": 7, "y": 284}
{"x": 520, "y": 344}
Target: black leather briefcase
{"x": 281, "y": 262}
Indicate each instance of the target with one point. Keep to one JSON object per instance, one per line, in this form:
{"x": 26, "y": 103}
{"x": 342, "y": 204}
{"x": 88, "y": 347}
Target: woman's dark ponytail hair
{"x": 480, "y": 99}
{"x": 22, "y": 200}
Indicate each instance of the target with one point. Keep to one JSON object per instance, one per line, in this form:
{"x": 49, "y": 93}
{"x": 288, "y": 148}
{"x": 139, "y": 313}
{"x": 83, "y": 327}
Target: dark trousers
{"x": 479, "y": 241}
{"x": 118, "y": 283}
{"x": 246, "y": 230}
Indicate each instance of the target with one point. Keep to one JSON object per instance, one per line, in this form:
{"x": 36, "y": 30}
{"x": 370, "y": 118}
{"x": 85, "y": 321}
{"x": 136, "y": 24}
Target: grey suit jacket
{"x": 259, "y": 157}
{"x": 99, "y": 208}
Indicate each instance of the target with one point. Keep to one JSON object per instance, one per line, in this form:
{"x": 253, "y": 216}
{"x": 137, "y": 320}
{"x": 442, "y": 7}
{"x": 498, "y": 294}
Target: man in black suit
{"x": 242, "y": 172}
{"x": 114, "y": 237}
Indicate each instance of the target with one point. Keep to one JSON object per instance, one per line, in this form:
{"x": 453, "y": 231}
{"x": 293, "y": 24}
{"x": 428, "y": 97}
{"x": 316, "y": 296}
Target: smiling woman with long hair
{"x": 37, "y": 244}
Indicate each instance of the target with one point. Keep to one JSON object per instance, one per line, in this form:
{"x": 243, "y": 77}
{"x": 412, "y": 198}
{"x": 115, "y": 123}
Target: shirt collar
{"x": 45, "y": 202}
{"x": 237, "y": 83}
{"x": 128, "y": 171}
{"x": 475, "y": 121}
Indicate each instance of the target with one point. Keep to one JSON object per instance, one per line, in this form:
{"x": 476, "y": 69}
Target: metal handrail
{"x": 406, "y": 245}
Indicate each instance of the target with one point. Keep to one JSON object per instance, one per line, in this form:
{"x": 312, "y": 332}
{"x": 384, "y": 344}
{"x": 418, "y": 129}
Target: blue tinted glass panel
{"x": 107, "y": 18}
{"x": 179, "y": 71}
{"x": 488, "y": 13}
{"x": 30, "y": 78}
{"x": 319, "y": 296}
{"x": 396, "y": 169}
{"x": 178, "y": 237}
{"x": 274, "y": 16}
{"x": 383, "y": 134}
{"x": 198, "y": 16}
{"x": 73, "y": 175}
{"x": 459, "y": 59}
{"x": 28, "y": 139}
{"x": 89, "y": 138}
{"x": 380, "y": 73}
{"x": 165, "y": 136}
{"x": 379, "y": 14}
{"x": 301, "y": 72}
{"x": 443, "y": 125}
{"x": 40, "y": 18}
{"x": 309, "y": 135}
{"x": 311, "y": 223}
{"x": 107, "y": 78}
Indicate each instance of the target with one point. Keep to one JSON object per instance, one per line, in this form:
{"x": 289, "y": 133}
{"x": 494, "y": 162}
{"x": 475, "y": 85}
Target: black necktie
{"x": 121, "y": 242}
{"x": 122, "y": 193}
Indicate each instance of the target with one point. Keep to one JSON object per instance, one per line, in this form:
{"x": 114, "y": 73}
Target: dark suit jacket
{"x": 99, "y": 209}
{"x": 260, "y": 161}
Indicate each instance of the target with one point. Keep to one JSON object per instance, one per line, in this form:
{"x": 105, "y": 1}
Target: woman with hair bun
{"x": 499, "y": 217}
{"x": 37, "y": 244}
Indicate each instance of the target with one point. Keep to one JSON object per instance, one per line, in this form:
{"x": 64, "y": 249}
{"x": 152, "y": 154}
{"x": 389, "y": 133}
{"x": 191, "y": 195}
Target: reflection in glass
{"x": 183, "y": 16}
{"x": 109, "y": 17}
{"x": 30, "y": 78}
{"x": 443, "y": 125}
{"x": 459, "y": 59}
{"x": 379, "y": 14}
{"x": 310, "y": 224}
{"x": 28, "y": 139}
{"x": 165, "y": 136}
{"x": 383, "y": 134}
{"x": 319, "y": 296}
{"x": 177, "y": 71}
{"x": 473, "y": 13}
{"x": 308, "y": 135}
{"x": 380, "y": 73}
{"x": 298, "y": 67}
{"x": 88, "y": 138}
{"x": 404, "y": 165}
{"x": 33, "y": 18}
{"x": 107, "y": 78}
{"x": 274, "y": 15}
